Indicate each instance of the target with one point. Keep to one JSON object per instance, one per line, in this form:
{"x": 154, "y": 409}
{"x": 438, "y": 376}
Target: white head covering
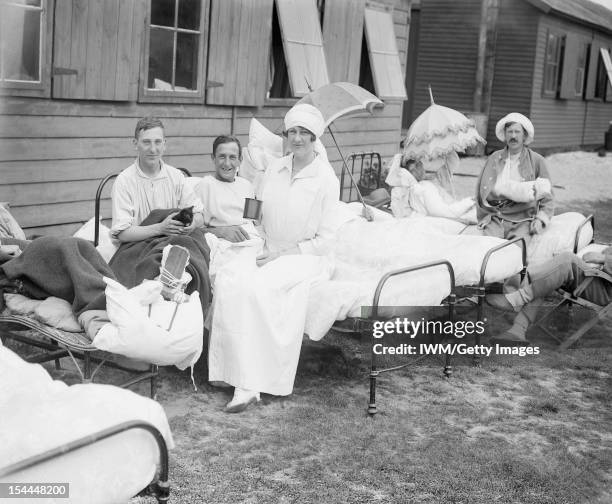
{"x": 514, "y": 117}
{"x": 306, "y": 116}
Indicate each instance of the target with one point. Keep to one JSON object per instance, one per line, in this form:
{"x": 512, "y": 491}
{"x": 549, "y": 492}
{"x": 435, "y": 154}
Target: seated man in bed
{"x": 413, "y": 193}
{"x": 146, "y": 198}
{"x": 514, "y": 192}
{"x": 223, "y": 193}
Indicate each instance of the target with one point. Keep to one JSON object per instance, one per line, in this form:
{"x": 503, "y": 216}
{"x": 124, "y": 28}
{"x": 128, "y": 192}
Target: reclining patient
{"x": 146, "y": 199}
{"x": 564, "y": 270}
{"x": 413, "y": 193}
{"x": 260, "y": 302}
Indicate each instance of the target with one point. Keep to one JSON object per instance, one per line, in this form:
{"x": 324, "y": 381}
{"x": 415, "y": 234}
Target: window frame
{"x": 600, "y": 91}
{"x": 585, "y": 51}
{"x": 42, "y": 87}
{"x": 558, "y": 64}
{"x": 278, "y": 101}
{"x": 148, "y": 95}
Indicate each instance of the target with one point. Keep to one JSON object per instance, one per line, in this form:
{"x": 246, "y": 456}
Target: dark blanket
{"x": 137, "y": 261}
{"x": 67, "y": 268}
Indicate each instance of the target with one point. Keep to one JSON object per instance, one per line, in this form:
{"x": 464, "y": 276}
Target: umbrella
{"x": 340, "y": 99}
{"x": 438, "y": 132}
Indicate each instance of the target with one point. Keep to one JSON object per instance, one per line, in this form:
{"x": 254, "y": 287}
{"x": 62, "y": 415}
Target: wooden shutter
{"x": 303, "y": 45}
{"x": 384, "y": 57}
{"x": 592, "y": 75}
{"x": 342, "y": 35}
{"x": 570, "y": 66}
{"x": 240, "y": 36}
{"x": 93, "y": 56}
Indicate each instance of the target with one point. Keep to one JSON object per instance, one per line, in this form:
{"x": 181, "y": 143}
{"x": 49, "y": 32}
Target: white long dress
{"x": 259, "y": 316}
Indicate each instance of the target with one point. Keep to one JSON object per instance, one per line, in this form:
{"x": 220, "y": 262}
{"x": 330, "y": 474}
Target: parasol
{"x": 340, "y": 99}
{"x": 438, "y": 132}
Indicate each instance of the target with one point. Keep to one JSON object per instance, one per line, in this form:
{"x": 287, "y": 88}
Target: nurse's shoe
{"x": 242, "y": 400}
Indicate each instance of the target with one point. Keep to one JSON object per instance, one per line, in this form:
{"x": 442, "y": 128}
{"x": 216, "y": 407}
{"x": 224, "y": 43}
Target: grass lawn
{"x": 516, "y": 430}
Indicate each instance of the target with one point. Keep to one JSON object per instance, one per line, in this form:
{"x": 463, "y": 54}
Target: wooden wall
{"x": 571, "y": 122}
{"x": 447, "y": 54}
{"x": 514, "y": 63}
{"x": 53, "y": 153}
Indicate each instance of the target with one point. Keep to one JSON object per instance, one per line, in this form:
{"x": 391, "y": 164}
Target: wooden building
{"x": 542, "y": 58}
{"x": 75, "y": 75}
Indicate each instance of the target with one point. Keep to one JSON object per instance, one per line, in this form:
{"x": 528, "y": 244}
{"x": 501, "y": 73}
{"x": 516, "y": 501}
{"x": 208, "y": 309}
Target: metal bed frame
{"x": 452, "y": 300}
{"x": 368, "y": 167}
{"x": 58, "y": 343}
{"x": 159, "y": 488}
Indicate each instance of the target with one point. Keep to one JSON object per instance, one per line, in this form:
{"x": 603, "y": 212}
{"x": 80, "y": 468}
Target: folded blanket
{"x": 137, "y": 261}
{"x": 67, "y": 268}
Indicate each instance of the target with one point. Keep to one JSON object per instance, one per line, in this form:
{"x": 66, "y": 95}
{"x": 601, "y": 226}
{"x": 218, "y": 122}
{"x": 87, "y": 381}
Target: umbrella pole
{"x": 366, "y": 211}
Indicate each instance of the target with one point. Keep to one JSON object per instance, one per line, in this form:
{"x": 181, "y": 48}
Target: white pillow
{"x": 262, "y": 137}
{"x": 106, "y": 248}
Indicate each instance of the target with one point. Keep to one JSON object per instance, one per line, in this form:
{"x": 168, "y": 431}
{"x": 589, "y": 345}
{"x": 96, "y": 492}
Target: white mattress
{"x": 39, "y": 414}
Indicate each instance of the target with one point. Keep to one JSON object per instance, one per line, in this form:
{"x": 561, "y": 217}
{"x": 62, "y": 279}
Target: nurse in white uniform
{"x": 260, "y": 309}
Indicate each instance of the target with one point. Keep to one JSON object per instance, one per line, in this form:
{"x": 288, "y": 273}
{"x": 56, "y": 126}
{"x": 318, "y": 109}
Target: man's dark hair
{"x": 223, "y": 139}
{"x": 147, "y": 123}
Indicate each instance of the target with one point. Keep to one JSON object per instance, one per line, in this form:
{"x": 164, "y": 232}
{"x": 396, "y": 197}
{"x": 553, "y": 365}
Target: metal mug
{"x": 252, "y": 208}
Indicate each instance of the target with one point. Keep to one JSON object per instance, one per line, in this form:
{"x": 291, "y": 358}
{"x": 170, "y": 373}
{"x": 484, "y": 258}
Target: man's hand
{"x": 170, "y": 227}
{"x": 266, "y": 257}
{"x": 367, "y": 213}
{"x": 189, "y": 229}
{"x": 233, "y": 234}
{"x": 536, "y": 226}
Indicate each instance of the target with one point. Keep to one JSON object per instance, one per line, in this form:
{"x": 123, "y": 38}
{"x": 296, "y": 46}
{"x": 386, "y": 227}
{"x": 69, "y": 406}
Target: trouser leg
{"x": 564, "y": 270}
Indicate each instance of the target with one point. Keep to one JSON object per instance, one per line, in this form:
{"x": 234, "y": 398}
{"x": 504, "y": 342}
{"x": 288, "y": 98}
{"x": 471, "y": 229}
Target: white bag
{"x": 171, "y": 335}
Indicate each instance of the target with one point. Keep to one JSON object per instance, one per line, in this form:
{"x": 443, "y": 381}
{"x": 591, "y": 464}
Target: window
{"x": 175, "y": 45}
{"x": 601, "y": 80}
{"x": 579, "y": 82}
{"x": 278, "y": 77}
{"x": 573, "y": 71}
{"x": 24, "y": 60}
{"x": 603, "y": 84}
{"x": 552, "y": 64}
{"x": 302, "y": 41}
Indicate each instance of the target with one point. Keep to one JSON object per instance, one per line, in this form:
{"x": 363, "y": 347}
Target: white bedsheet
{"x": 364, "y": 251}
{"x": 39, "y": 414}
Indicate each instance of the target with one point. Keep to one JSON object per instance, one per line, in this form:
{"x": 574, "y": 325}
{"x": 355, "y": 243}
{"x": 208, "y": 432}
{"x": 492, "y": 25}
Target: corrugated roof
{"x": 583, "y": 11}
